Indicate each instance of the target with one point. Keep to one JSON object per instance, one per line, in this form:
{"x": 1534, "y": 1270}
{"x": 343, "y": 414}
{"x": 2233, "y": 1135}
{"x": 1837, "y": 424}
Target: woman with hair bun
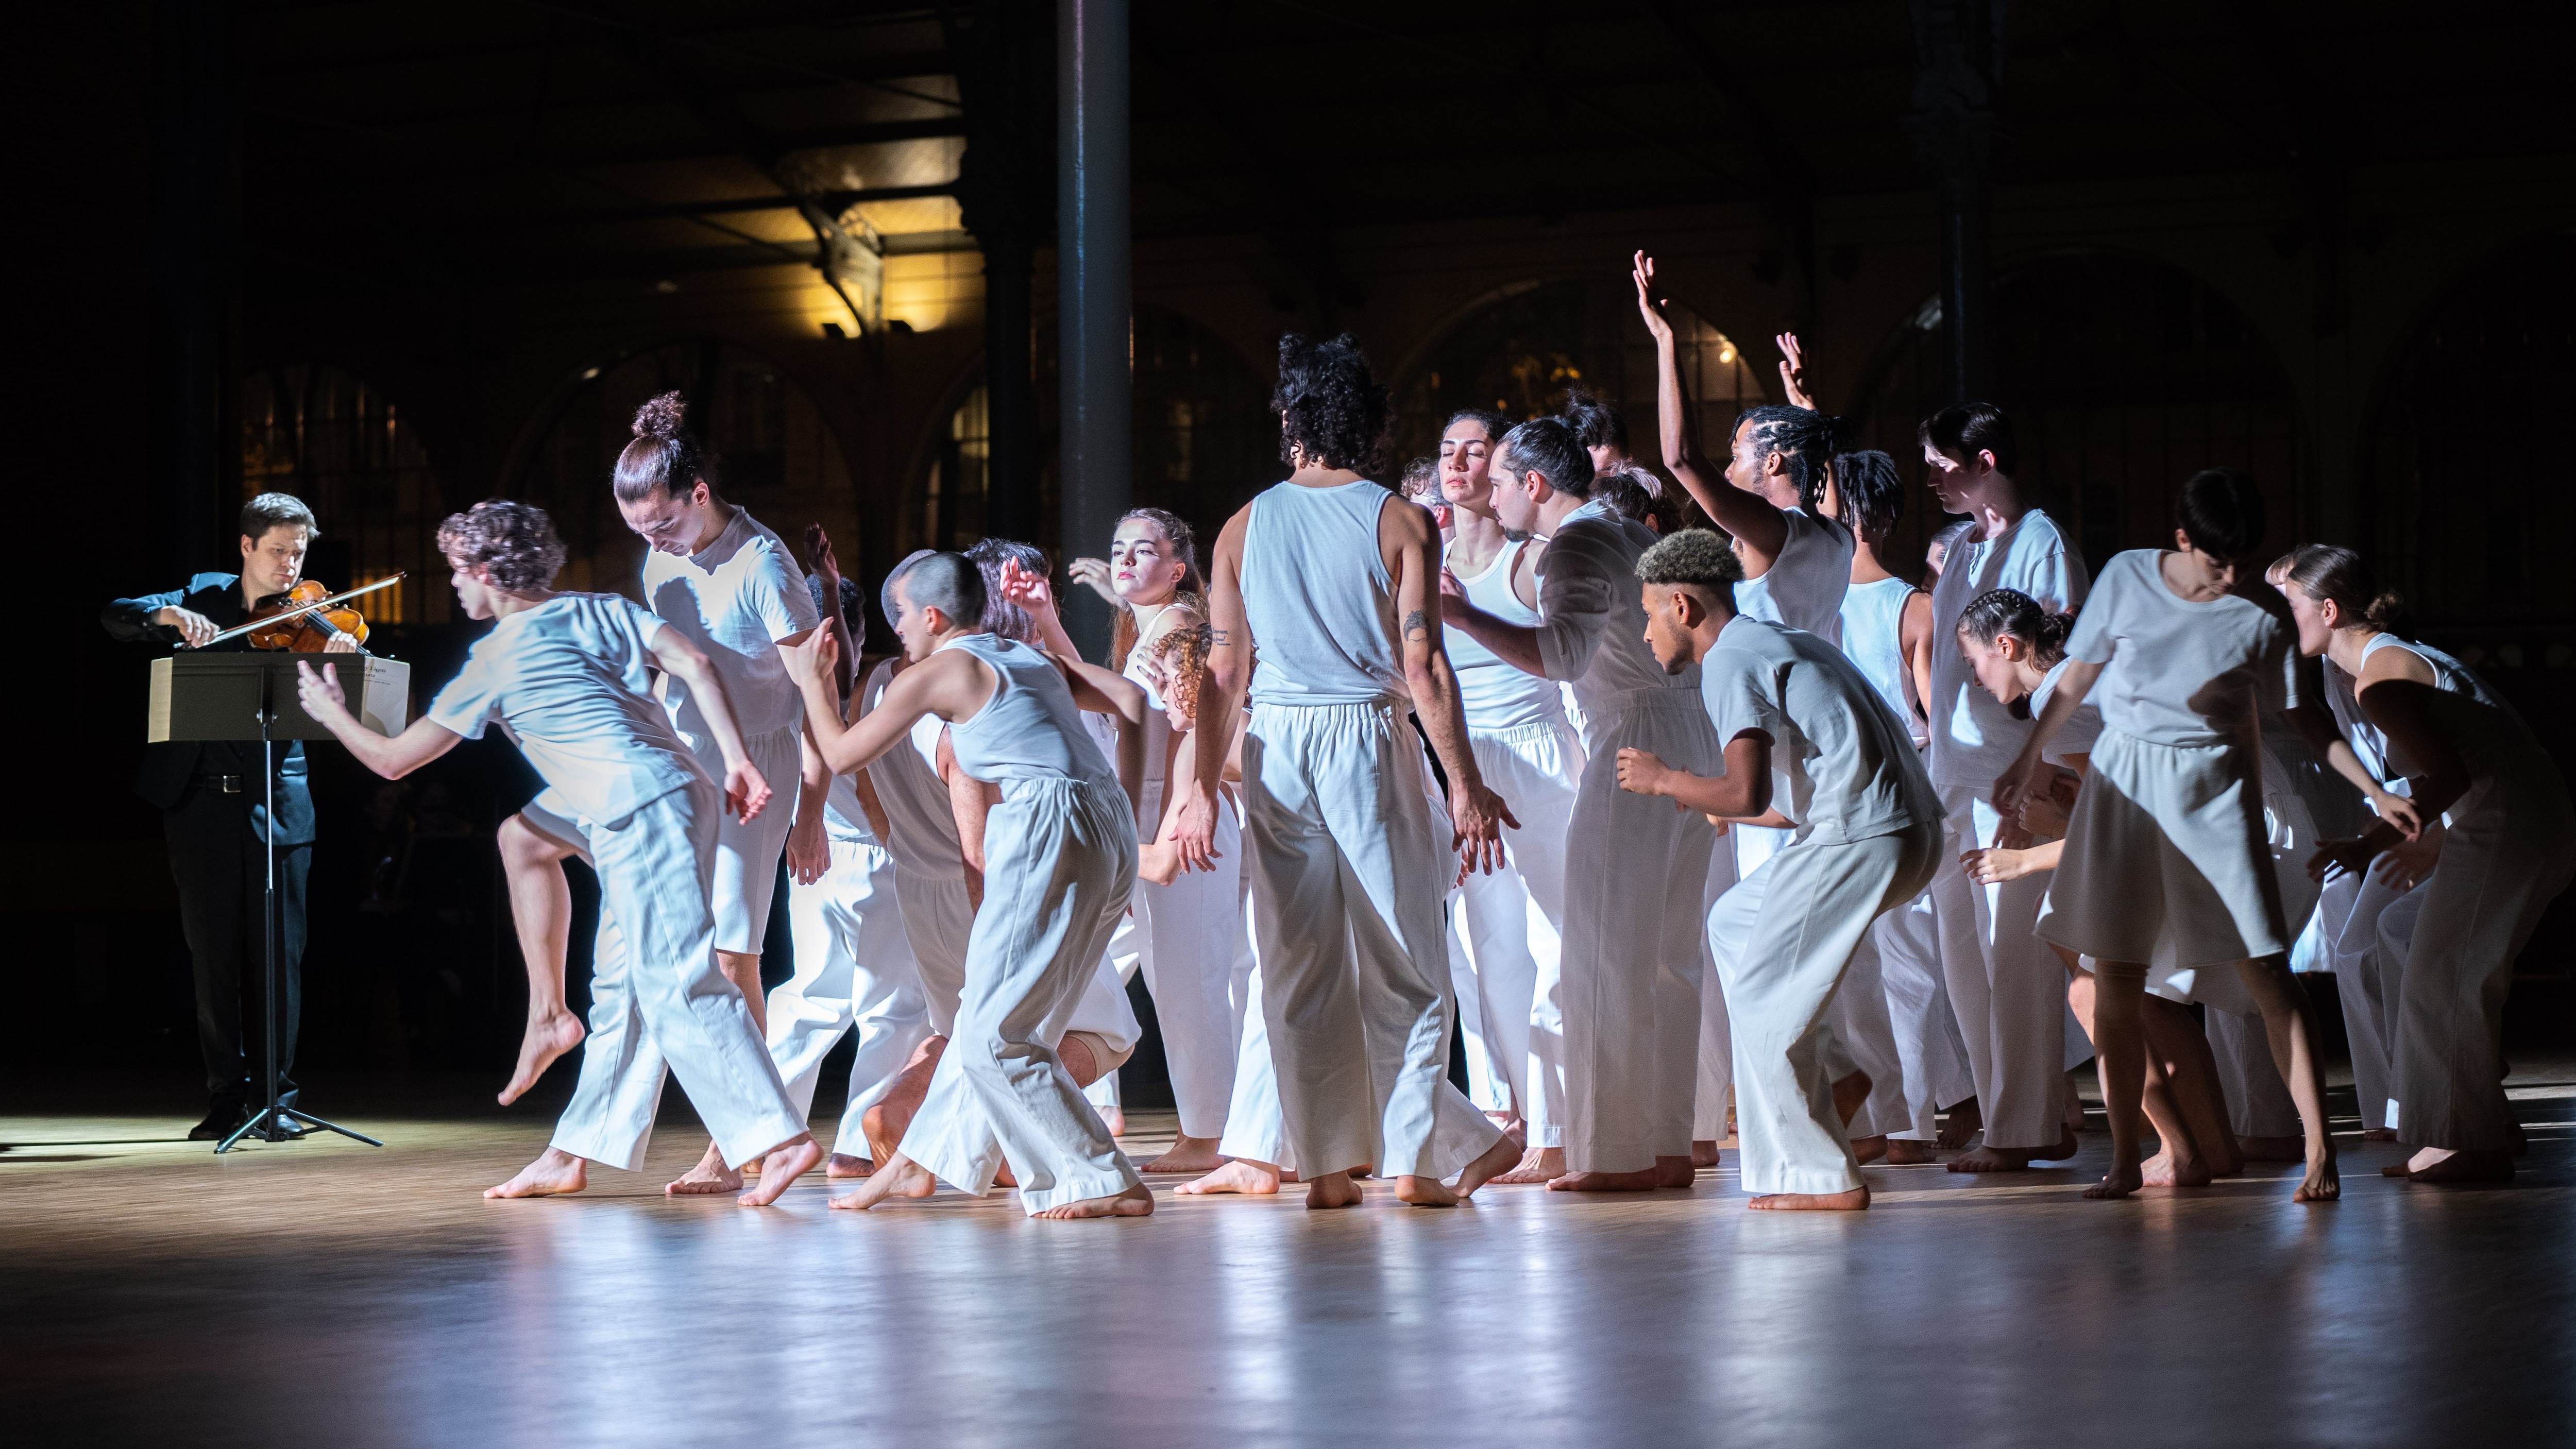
{"x": 2507, "y": 848}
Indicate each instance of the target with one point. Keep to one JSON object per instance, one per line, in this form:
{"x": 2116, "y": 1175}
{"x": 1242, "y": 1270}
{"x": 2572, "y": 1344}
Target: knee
{"x": 524, "y": 847}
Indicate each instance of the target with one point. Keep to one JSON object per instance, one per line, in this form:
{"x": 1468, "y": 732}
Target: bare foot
{"x": 1869, "y": 1149}
{"x": 780, "y": 1169}
{"x": 2122, "y": 1180}
{"x": 844, "y": 1165}
{"x": 1703, "y": 1154}
{"x": 708, "y": 1178}
{"x": 883, "y": 1124}
{"x": 2066, "y": 1147}
{"x": 554, "y": 1173}
{"x": 2074, "y": 1107}
{"x": 2165, "y": 1170}
{"x": 1991, "y": 1159}
{"x": 1503, "y": 1154}
{"x": 1965, "y": 1120}
{"x": 1115, "y": 1119}
{"x": 2440, "y": 1165}
{"x": 2323, "y": 1183}
{"x": 1333, "y": 1190}
{"x": 2272, "y": 1149}
{"x": 1188, "y": 1154}
{"x": 1645, "y": 1181}
{"x": 1417, "y": 1190}
{"x": 1909, "y": 1152}
{"x": 1538, "y": 1165}
{"x": 1855, "y": 1200}
{"x": 1135, "y": 1202}
{"x": 547, "y": 1038}
{"x": 1252, "y": 1179}
{"x": 1675, "y": 1172}
{"x": 2378, "y": 1134}
{"x": 900, "y": 1176}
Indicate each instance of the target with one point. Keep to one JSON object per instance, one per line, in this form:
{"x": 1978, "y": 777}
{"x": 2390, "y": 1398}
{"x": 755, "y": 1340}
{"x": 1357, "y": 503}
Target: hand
{"x": 1793, "y": 372}
{"x": 2042, "y": 815}
{"x": 193, "y": 627}
{"x": 809, "y": 856}
{"x": 319, "y": 690}
{"x": 1192, "y": 830}
{"x": 2339, "y": 858}
{"x": 2403, "y": 866}
{"x": 1093, "y": 573}
{"x": 1476, "y": 820}
{"x": 812, "y": 659}
{"x": 1642, "y": 772}
{"x": 341, "y": 644}
{"x": 818, "y": 547}
{"x": 2399, "y": 811}
{"x": 1994, "y": 867}
{"x": 1030, "y": 591}
{"x": 2013, "y": 785}
{"x": 1451, "y": 589}
{"x": 2012, "y": 836}
{"x": 745, "y": 791}
{"x": 1647, "y": 305}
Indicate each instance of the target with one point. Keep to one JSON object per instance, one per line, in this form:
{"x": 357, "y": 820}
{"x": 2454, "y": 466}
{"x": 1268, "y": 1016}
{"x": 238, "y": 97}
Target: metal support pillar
{"x": 1092, "y": 270}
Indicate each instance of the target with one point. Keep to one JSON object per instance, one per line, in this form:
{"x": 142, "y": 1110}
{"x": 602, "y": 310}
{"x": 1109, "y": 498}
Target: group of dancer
{"x": 1369, "y": 775}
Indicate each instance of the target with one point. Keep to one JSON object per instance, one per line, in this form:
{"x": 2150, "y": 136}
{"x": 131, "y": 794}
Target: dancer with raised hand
{"x": 1335, "y": 580}
{"x": 1060, "y": 863}
{"x": 1636, "y": 871}
{"x": 1512, "y": 920}
{"x": 2508, "y": 848}
{"x": 567, "y": 676}
{"x": 2006, "y": 987}
{"x": 1811, "y": 748}
{"x": 2166, "y": 844}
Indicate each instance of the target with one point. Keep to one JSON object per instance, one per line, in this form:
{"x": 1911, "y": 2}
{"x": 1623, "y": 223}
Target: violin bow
{"x": 282, "y": 615}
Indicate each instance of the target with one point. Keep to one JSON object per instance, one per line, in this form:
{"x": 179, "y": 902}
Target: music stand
{"x": 224, "y": 697}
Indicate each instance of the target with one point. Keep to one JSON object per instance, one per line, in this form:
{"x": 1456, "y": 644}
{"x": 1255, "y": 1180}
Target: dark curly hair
{"x": 665, "y": 457}
{"x": 1332, "y": 408}
{"x": 1871, "y": 493}
{"x": 515, "y": 541}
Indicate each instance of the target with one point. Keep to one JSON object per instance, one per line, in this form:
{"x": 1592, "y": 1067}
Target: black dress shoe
{"x": 221, "y": 1118}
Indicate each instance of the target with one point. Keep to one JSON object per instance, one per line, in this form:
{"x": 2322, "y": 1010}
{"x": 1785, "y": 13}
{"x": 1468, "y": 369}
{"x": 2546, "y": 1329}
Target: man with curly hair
{"x": 568, "y": 677}
{"x": 1336, "y": 583}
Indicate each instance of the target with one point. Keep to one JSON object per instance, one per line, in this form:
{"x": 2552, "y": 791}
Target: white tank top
{"x": 1873, "y": 637}
{"x": 2493, "y": 742}
{"x": 1805, "y": 584}
{"x": 1030, "y": 729}
{"x": 1318, "y": 599}
{"x": 1158, "y": 731}
{"x": 921, "y": 827}
{"x": 1499, "y": 696}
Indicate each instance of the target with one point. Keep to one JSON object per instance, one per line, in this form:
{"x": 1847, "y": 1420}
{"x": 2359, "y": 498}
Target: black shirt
{"x": 170, "y": 770}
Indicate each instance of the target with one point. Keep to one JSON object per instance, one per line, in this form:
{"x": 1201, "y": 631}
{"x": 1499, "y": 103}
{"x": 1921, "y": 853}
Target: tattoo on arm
{"x": 1215, "y": 637}
{"x": 1417, "y": 624}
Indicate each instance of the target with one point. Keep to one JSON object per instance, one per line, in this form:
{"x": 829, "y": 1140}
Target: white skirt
{"x": 2167, "y": 859}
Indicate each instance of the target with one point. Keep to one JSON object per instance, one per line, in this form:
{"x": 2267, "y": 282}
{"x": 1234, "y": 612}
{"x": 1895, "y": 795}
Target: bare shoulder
{"x": 1404, "y": 525}
{"x": 2385, "y": 665}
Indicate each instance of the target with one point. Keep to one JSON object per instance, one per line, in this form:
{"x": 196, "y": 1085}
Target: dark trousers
{"x": 221, "y": 869}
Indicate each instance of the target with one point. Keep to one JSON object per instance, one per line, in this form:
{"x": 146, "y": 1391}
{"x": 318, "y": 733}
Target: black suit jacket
{"x": 170, "y": 770}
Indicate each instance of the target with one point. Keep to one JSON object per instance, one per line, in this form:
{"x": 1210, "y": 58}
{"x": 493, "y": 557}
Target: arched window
{"x": 313, "y": 430}
{"x": 777, "y": 456}
{"x": 2122, "y": 378}
{"x": 2467, "y": 493}
{"x": 1521, "y": 350}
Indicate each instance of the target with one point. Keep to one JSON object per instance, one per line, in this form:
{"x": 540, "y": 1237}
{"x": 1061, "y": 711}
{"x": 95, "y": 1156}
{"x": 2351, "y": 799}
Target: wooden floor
{"x": 326, "y": 1293}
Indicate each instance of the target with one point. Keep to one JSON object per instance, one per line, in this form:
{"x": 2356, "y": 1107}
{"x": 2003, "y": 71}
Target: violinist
{"x": 214, "y": 816}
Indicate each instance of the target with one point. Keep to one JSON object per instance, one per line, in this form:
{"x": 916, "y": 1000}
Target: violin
{"x": 306, "y": 619}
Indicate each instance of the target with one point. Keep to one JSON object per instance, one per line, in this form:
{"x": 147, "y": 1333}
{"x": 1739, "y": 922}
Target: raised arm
{"x": 1515, "y": 644}
{"x": 1754, "y": 520}
{"x": 156, "y": 619}
{"x": 951, "y": 684}
{"x": 1220, "y": 704}
{"x": 1476, "y": 814}
{"x": 392, "y": 757}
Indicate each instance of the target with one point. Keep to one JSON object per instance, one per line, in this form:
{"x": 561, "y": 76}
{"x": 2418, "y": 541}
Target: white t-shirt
{"x": 2082, "y": 728}
{"x": 2181, "y": 673}
{"x": 1804, "y": 586}
{"x": 1842, "y": 764}
{"x": 735, "y": 600}
{"x": 570, "y": 680}
{"x": 1975, "y": 738}
{"x": 1592, "y": 625}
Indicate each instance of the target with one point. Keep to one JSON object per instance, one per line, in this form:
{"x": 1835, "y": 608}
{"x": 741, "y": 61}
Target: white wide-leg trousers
{"x": 1511, "y": 925}
{"x": 2007, "y": 987}
{"x": 854, "y": 968}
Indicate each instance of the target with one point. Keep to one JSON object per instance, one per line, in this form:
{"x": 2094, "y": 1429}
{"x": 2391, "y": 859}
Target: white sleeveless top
{"x": 1318, "y": 599}
{"x": 1804, "y": 586}
{"x": 1030, "y": 729}
{"x": 921, "y": 828}
{"x": 2492, "y": 740}
{"x": 1873, "y": 638}
{"x": 1158, "y": 728}
{"x": 1498, "y": 695}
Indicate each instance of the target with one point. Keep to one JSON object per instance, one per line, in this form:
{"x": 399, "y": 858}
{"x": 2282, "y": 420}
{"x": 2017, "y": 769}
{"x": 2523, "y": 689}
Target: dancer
{"x": 2166, "y": 845}
{"x": 1060, "y": 866}
{"x": 1512, "y": 920}
{"x": 1811, "y": 748}
{"x": 2006, "y": 987}
{"x": 1598, "y": 427}
{"x": 1317, "y": 572}
{"x": 1188, "y": 934}
{"x": 566, "y": 675}
{"x": 1631, "y": 968}
{"x": 2508, "y": 849}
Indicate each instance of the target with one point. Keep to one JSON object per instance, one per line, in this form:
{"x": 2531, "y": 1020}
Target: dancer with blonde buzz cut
{"x": 567, "y": 676}
{"x": 1809, "y": 748}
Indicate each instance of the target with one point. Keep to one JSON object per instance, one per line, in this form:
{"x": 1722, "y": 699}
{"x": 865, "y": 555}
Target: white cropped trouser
{"x": 854, "y": 969}
{"x": 659, "y": 1004}
{"x": 1060, "y": 865}
{"x": 1509, "y": 930}
{"x": 1348, "y": 880}
{"x": 2007, "y": 987}
{"x": 1636, "y": 875}
{"x": 1816, "y": 901}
